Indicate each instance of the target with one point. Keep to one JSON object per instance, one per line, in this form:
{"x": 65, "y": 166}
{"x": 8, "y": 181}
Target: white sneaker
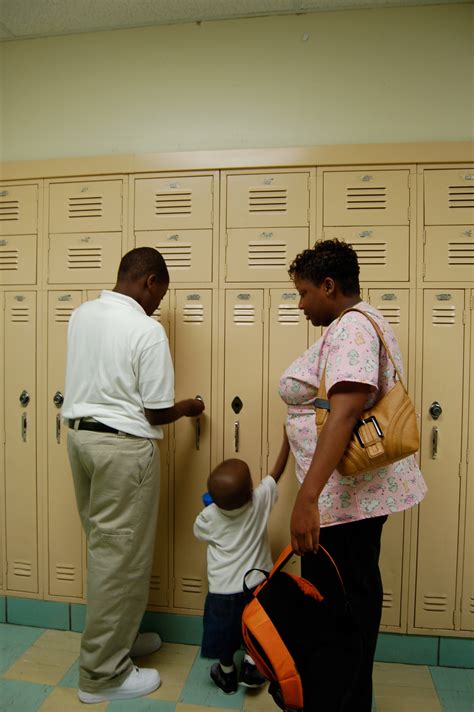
{"x": 141, "y": 681}
{"x": 145, "y": 644}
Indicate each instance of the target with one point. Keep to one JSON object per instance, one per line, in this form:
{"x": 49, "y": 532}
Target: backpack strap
{"x": 288, "y": 552}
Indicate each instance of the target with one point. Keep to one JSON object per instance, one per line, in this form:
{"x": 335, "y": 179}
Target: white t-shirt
{"x": 118, "y": 364}
{"x": 237, "y": 540}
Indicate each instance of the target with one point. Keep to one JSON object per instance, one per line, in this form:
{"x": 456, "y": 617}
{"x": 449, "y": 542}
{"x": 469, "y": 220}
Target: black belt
{"x": 94, "y": 426}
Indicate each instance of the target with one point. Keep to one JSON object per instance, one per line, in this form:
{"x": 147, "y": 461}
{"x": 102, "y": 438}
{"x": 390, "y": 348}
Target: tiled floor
{"x": 39, "y": 668}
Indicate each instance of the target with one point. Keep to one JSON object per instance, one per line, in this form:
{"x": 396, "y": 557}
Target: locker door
{"x": 394, "y": 305}
{"x": 85, "y": 206}
{"x": 174, "y": 203}
{"x": 262, "y": 255}
{"x": 84, "y": 258}
{"x": 2, "y": 446}
{"x": 159, "y": 593}
{"x": 288, "y": 338}
{"x": 366, "y": 198}
{"x": 187, "y": 253}
{"x": 383, "y": 252}
{"x": 192, "y": 442}
{"x": 243, "y": 373}
{"x": 268, "y": 199}
{"x": 449, "y": 253}
{"x": 21, "y": 491}
{"x": 18, "y": 209}
{"x": 64, "y": 527}
{"x": 443, "y": 342}
{"x": 18, "y": 259}
{"x": 449, "y": 196}
{"x": 467, "y": 598}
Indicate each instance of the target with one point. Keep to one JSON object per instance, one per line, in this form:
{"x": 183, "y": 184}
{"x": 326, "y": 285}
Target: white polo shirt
{"x": 118, "y": 364}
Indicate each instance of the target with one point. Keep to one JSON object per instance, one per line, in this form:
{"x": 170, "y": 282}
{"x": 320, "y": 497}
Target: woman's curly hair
{"x": 328, "y": 258}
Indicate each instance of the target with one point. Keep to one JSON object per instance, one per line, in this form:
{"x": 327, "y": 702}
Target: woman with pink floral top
{"x": 344, "y": 514}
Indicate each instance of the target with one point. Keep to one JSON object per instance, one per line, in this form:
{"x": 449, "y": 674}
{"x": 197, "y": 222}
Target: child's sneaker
{"x": 249, "y": 675}
{"x": 225, "y": 681}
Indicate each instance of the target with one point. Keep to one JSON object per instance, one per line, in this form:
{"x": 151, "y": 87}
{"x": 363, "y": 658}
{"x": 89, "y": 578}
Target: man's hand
{"x": 304, "y": 526}
{"x": 192, "y": 407}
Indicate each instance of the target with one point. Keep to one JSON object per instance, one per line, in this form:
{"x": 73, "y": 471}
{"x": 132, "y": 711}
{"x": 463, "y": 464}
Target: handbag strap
{"x": 322, "y": 393}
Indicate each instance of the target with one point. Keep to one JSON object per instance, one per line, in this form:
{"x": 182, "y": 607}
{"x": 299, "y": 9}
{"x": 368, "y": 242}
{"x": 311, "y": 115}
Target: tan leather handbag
{"x": 388, "y": 430}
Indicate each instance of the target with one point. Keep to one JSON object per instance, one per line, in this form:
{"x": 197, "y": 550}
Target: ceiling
{"x": 23, "y": 19}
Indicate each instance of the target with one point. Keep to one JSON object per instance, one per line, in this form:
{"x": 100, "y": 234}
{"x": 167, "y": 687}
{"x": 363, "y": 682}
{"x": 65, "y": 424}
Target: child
{"x": 235, "y": 528}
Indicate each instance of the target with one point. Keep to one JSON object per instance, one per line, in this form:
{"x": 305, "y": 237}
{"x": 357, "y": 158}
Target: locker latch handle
{"x": 198, "y": 428}
{"x": 434, "y": 443}
{"x": 24, "y": 427}
{"x": 58, "y": 428}
{"x": 236, "y": 436}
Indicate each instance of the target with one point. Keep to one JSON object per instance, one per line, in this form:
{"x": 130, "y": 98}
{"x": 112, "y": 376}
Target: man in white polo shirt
{"x": 119, "y": 392}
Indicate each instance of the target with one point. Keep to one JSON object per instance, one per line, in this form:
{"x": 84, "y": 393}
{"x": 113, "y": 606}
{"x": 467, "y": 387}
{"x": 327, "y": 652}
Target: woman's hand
{"x": 304, "y": 526}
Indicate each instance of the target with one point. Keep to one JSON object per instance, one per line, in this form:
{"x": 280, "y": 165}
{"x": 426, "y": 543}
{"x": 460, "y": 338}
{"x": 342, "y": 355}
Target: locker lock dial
{"x": 24, "y": 398}
{"x": 237, "y": 405}
{"x": 58, "y": 399}
{"x": 435, "y": 410}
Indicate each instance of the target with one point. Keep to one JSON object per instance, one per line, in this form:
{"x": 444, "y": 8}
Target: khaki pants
{"x": 117, "y": 484}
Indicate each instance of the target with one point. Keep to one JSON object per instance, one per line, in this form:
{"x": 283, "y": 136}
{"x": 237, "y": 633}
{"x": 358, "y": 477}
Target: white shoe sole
{"x": 90, "y": 698}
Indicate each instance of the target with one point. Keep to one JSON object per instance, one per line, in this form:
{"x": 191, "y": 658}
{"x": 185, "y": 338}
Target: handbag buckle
{"x": 371, "y": 419}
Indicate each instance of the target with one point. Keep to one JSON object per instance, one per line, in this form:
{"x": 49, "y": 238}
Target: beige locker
{"x": 448, "y": 253}
{"x": 2, "y": 447}
{"x": 18, "y": 209}
{"x": 85, "y": 206}
{"x": 174, "y": 203}
{"x": 18, "y": 259}
{"x": 84, "y": 258}
{"x": 467, "y": 591}
{"x": 263, "y": 255}
{"x": 288, "y": 339}
{"x": 64, "y": 527}
{"x": 159, "y": 584}
{"x": 383, "y": 252}
{"x": 21, "y": 487}
{"x": 243, "y": 375}
{"x": 268, "y": 200}
{"x": 440, "y": 451}
{"x": 395, "y": 306}
{"x": 187, "y": 253}
{"x": 192, "y": 442}
{"x": 372, "y": 197}
{"x": 449, "y": 196}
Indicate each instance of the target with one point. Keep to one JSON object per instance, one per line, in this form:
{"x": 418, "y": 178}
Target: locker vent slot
{"x": 22, "y": 568}
{"x": 20, "y": 315}
{"x": 374, "y": 253}
{"x": 191, "y": 585}
{"x": 392, "y": 314}
{"x": 262, "y": 254}
{"x": 366, "y": 198}
{"x": 177, "y": 256}
{"x": 87, "y": 206}
{"x": 461, "y": 253}
{"x": 65, "y": 572}
{"x": 9, "y": 210}
{"x": 244, "y": 314}
{"x": 8, "y": 259}
{"x": 155, "y": 582}
{"x": 271, "y": 200}
{"x": 288, "y": 314}
{"x": 387, "y": 599}
{"x": 193, "y": 313}
{"x": 443, "y": 316}
{"x": 84, "y": 258}
{"x": 461, "y": 196}
{"x": 173, "y": 203}
{"x": 436, "y": 604}
{"x": 470, "y": 605}
{"x": 62, "y": 314}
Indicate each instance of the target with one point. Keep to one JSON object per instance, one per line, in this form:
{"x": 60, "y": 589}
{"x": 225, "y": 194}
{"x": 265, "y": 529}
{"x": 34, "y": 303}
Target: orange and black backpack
{"x": 297, "y": 636}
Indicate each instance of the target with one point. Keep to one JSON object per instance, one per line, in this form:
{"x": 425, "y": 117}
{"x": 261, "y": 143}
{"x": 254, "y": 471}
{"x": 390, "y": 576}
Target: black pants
{"x": 355, "y": 547}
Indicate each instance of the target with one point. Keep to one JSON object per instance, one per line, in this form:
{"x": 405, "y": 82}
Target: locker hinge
{"x": 212, "y": 217}
{"x": 423, "y": 270}
{"x": 457, "y": 619}
{"x": 472, "y": 302}
{"x": 226, "y": 239}
{"x": 424, "y": 236}
{"x": 461, "y": 470}
{"x": 309, "y": 216}
{"x": 465, "y": 317}
{"x": 467, "y": 457}
{"x": 309, "y": 184}
{"x": 409, "y": 180}
{"x": 409, "y": 213}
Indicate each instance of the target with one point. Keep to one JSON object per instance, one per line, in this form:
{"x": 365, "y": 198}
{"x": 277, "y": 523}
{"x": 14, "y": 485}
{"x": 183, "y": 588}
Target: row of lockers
{"x": 262, "y": 331}
{"x": 266, "y": 221}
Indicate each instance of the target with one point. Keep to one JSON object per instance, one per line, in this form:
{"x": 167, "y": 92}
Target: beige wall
{"x": 365, "y": 76}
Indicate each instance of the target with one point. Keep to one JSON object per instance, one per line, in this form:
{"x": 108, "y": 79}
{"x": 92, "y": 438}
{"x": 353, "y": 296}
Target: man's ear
{"x": 150, "y": 281}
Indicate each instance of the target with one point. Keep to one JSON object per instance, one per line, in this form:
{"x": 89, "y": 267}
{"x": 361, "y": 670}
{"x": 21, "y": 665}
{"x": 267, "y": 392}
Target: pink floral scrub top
{"x": 353, "y": 352}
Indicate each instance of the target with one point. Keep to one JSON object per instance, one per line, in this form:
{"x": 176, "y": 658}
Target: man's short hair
{"x": 141, "y": 262}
